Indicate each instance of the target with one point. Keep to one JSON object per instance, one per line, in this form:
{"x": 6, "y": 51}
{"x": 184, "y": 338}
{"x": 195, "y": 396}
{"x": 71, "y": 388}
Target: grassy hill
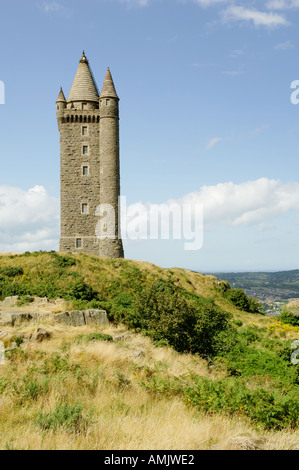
{"x": 186, "y": 350}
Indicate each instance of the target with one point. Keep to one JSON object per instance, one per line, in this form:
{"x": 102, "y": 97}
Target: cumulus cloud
{"x": 257, "y": 202}
{"x": 249, "y": 203}
{"x": 29, "y": 220}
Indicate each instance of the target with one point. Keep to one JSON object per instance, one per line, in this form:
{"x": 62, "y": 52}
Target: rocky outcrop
{"x": 15, "y": 318}
{"x": 72, "y": 318}
{"x": 83, "y": 317}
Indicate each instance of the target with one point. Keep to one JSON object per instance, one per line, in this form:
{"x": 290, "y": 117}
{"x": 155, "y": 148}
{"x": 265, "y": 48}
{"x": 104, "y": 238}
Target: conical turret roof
{"x": 108, "y": 90}
{"x": 84, "y": 87}
{"x": 61, "y": 96}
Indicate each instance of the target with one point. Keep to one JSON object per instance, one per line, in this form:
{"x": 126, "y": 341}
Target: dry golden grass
{"x": 126, "y": 416}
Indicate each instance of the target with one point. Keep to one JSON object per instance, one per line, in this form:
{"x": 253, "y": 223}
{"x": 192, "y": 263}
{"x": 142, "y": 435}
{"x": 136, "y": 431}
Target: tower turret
{"x": 111, "y": 244}
{"x": 60, "y": 107}
{"x": 84, "y": 93}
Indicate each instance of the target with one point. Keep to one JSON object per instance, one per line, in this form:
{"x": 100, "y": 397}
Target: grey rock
{"x": 10, "y": 301}
{"x": 139, "y": 353}
{"x": 96, "y": 317}
{"x": 63, "y": 318}
{"x": 77, "y": 318}
{"x": 39, "y": 335}
{"x": 14, "y": 318}
{"x": 122, "y": 337}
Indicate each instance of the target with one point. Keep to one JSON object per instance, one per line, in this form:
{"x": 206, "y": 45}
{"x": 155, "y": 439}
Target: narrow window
{"x": 85, "y": 170}
{"x": 84, "y": 130}
{"x": 107, "y": 102}
{"x": 78, "y": 242}
{"x": 84, "y": 209}
{"x": 85, "y": 150}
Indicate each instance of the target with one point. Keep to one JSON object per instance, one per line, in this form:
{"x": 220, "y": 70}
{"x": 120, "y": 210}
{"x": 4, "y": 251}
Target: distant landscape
{"x": 274, "y": 290}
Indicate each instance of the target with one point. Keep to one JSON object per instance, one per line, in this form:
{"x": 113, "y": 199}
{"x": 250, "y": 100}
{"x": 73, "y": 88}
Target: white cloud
{"x": 283, "y": 46}
{"x": 208, "y": 3}
{"x": 49, "y": 7}
{"x": 243, "y": 204}
{"x": 29, "y": 220}
{"x": 213, "y": 142}
{"x": 253, "y": 203}
{"x": 52, "y": 6}
{"x": 258, "y": 18}
{"x": 233, "y": 73}
{"x": 141, "y": 3}
{"x": 236, "y": 54}
{"x": 282, "y": 4}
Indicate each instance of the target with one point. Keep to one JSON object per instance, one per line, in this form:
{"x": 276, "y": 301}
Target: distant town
{"x": 273, "y": 290}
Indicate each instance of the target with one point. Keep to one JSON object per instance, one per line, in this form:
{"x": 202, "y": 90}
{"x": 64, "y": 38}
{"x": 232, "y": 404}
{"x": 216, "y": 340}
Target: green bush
{"x": 11, "y": 271}
{"x": 289, "y": 318}
{"x": 81, "y": 291}
{"x": 265, "y": 407}
{"x": 93, "y": 337}
{"x": 66, "y": 416}
{"x": 164, "y": 313}
{"x": 242, "y": 301}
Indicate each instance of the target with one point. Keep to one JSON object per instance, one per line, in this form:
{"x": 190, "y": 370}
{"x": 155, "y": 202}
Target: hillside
{"x": 176, "y": 346}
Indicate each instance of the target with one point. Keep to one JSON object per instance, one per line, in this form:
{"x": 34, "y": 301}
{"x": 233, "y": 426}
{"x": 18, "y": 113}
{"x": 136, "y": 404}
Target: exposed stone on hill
{"x": 83, "y": 317}
{"x": 72, "y": 318}
{"x": 14, "y": 318}
{"x": 240, "y": 443}
{"x": 39, "y": 335}
{"x": 9, "y": 301}
{"x": 122, "y": 337}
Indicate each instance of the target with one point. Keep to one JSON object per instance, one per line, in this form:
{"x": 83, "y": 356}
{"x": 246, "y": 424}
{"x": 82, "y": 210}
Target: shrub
{"x": 66, "y": 416}
{"x": 63, "y": 261}
{"x": 289, "y": 318}
{"x": 265, "y": 407}
{"x": 11, "y": 271}
{"x": 93, "y": 337}
{"x": 188, "y": 326}
{"x": 243, "y": 302}
{"x": 81, "y": 291}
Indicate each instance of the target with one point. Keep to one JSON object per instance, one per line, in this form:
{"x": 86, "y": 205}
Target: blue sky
{"x": 205, "y": 111}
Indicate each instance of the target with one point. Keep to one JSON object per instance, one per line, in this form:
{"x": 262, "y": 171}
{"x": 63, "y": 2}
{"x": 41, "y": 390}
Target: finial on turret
{"x": 84, "y": 58}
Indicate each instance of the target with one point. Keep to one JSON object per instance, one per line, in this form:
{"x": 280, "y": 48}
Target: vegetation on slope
{"x": 247, "y": 355}
{"x": 80, "y": 390}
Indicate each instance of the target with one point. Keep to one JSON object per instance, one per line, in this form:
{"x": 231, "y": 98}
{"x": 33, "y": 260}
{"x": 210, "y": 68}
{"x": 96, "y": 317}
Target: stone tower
{"x": 89, "y": 166}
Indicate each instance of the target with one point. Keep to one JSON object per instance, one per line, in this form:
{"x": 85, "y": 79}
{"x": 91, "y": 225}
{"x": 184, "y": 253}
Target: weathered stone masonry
{"x": 89, "y": 163}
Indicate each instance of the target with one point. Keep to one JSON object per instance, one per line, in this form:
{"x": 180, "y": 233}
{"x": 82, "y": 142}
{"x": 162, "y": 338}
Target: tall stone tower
{"x": 89, "y": 166}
